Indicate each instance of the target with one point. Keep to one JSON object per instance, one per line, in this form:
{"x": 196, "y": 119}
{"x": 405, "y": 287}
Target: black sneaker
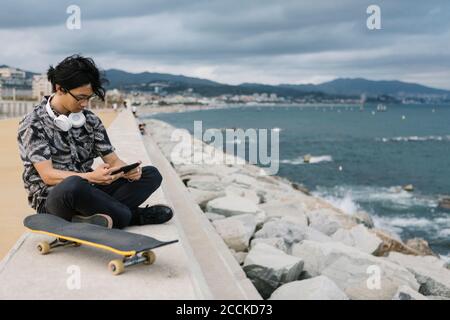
{"x": 102, "y": 220}
{"x": 155, "y": 214}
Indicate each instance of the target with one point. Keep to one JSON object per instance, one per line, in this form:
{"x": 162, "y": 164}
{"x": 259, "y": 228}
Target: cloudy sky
{"x": 235, "y": 41}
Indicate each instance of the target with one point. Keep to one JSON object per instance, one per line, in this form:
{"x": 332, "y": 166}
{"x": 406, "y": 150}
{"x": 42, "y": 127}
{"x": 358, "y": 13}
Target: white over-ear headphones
{"x": 65, "y": 123}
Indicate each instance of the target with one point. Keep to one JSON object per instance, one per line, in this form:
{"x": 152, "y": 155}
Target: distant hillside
{"x": 118, "y": 78}
{"x": 359, "y": 86}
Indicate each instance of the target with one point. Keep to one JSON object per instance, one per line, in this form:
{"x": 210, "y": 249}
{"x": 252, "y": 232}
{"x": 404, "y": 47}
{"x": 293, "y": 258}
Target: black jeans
{"x": 119, "y": 200}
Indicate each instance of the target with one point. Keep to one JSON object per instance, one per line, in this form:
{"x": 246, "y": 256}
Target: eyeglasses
{"x": 80, "y": 99}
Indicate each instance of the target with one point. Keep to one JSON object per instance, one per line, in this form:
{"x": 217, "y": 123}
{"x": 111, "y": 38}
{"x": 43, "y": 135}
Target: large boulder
{"x": 268, "y": 268}
{"x": 236, "y": 231}
{"x": 429, "y": 271}
{"x": 242, "y": 192}
{"x": 391, "y": 243}
{"x": 214, "y": 216}
{"x": 291, "y": 233}
{"x": 318, "y": 288}
{"x": 358, "y": 274}
{"x": 232, "y": 205}
{"x": 421, "y": 245}
{"x": 202, "y": 197}
{"x": 293, "y": 209}
{"x": 406, "y": 293}
{"x": 359, "y": 237}
{"x": 241, "y": 180}
{"x": 329, "y": 221}
{"x": 206, "y": 182}
{"x": 275, "y": 242}
{"x": 364, "y": 218}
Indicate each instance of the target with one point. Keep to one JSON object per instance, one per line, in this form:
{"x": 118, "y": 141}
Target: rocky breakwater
{"x": 292, "y": 245}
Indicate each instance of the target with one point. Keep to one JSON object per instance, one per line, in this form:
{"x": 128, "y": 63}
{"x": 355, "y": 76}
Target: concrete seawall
{"x": 199, "y": 266}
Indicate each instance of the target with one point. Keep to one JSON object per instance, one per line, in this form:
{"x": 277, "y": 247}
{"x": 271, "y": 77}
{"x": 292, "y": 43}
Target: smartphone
{"x": 127, "y": 168}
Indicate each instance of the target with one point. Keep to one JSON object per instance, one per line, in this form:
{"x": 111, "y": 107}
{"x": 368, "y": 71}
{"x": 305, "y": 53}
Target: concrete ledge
{"x": 198, "y": 267}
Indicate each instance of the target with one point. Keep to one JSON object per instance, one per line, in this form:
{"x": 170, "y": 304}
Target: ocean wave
{"x": 351, "y": 199}
{"x": 393, "y": 196}
{"x": 313, "y": 159}
{"x": 414, "y": 139}
{"x": 347, "y": 204}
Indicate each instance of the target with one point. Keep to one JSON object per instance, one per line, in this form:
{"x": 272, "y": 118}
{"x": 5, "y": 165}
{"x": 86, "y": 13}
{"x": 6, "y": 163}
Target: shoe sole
{"x": 102, "y": 220}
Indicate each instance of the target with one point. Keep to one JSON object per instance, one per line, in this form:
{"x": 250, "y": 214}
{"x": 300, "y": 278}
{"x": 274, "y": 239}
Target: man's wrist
{"x": 86, "y": 175}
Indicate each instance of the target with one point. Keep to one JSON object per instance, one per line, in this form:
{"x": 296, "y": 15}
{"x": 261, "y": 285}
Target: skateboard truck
{"x": 118, "y": 266}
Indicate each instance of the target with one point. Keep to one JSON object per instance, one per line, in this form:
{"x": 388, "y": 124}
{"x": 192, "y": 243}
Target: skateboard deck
{"x": 134, "y": 248}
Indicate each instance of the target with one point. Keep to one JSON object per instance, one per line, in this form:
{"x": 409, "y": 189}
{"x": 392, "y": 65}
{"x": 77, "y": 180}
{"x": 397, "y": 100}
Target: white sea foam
{"x": 350, "y": 199}
{"x": 394, "y": 196}
{"x": 414, "y": 139}
{"x": 346, "y": 204}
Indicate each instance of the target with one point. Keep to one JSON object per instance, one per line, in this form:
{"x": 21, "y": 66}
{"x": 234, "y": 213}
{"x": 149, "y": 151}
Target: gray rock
{"x": 358, "y": 274}
{"x": 359, "y": 237}
{"x": 364, "y": 218}
{"x": 294, "y": 209}
{"x": 268, "y": 268}
{"x": 429, "y": 271}
{"x": 326, "y": 221}
{"x": 202, "y": 197}
{"x": 274, "y": 242}
{"x": 406, "y": 293}
{"x": 291, "y": 233}
{"x": 239, "y": 256}
{"x": 206, "y": 182}
{"x": 241, "y": 180}
{"x": 421, "y": 246}
{"x": 318, "y": 288}
{"x": 236, "y": 231}
{"x": 214, "y": 216}
{"x": 231, "y": 206}
{"x": 444, "y": 203}
{"x": 242, "y": 192}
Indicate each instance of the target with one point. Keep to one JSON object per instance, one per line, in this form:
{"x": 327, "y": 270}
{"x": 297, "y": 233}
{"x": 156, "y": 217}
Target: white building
{"x": 11, "y": 73}
{"x": 41, "y": 86}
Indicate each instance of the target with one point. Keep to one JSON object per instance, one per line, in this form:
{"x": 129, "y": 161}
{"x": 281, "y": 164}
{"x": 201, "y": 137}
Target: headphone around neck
{"x": 63, "y": 122}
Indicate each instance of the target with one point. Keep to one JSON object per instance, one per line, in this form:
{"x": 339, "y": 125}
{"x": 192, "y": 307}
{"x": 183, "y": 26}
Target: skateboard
{"x": 134, "y": 248}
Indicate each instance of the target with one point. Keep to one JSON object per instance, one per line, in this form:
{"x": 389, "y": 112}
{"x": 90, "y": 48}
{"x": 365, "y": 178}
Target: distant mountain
{"x": 359, "y": 86}
{"x": 118, "y": 78}
{"x": 338, "y": 87}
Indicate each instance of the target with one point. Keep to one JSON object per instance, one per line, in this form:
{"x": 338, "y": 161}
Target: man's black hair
{"x": 76, "y": 71}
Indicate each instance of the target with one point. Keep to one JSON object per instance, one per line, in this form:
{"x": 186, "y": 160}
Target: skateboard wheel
{"x": 149, "y": 256}
{"x": 43, "y": 247}
{"x": 116, "y": 267}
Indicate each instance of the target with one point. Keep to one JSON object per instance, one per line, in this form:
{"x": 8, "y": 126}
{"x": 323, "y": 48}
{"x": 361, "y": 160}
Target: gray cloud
{"x": 235, "y": 41}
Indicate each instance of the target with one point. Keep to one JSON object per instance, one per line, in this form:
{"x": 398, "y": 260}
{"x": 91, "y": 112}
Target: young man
{"x": 58, "y": 141}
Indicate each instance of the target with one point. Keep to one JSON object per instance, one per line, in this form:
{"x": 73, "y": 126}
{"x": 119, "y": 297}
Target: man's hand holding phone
{"x": 103, "y": 175}
{"x": 134, "y": 174}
